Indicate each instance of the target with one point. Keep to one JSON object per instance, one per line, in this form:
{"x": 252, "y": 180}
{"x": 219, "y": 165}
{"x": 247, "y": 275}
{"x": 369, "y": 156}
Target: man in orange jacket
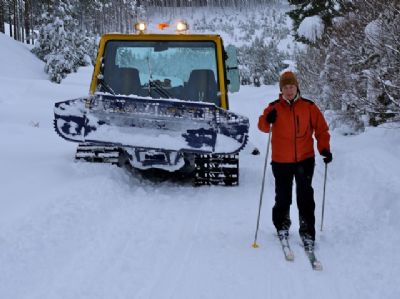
{"x": 293, "y": 120}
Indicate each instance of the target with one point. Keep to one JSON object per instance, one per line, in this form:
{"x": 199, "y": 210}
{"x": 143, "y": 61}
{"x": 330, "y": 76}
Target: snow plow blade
{"x": 137, "y": 122}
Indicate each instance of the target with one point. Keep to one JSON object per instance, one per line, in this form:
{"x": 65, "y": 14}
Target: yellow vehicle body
{"x": 160, "y": 101}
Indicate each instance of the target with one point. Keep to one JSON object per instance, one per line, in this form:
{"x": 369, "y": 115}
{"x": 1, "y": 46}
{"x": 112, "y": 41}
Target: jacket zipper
{"x": 295, "y": 129}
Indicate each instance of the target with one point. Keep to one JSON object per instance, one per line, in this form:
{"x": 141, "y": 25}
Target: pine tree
{"x": 325, "y": 9}
{"x": 43, "y": 39}
{"x": 260, "y": 61}
{"x": 57, "y": 41}
{"x": 357, "y": 75}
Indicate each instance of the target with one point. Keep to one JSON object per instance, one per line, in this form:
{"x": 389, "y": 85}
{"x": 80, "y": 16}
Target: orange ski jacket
{"x": 292, "y": 132}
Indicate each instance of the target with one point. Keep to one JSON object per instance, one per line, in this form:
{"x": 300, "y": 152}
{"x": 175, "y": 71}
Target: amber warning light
{"x": 162, "y": 26}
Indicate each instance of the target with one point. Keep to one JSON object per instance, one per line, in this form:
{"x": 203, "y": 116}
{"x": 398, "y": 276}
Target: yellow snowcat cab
{"x": 185, "y": 66}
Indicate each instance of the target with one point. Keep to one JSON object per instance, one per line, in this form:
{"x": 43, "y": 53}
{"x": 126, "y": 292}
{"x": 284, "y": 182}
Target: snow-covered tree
{"x": 311, "y": 18}
{"x": 357, "y": 70}
{"x": 43, "y": 39}
{"x": 383, "y": 72}
{"x": 261, "y": 60}
{"x": 60, "y": 44}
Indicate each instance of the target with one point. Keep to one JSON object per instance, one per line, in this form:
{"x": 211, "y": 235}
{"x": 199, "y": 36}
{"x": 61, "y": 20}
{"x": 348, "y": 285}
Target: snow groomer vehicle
{"x": 160, "y": 101}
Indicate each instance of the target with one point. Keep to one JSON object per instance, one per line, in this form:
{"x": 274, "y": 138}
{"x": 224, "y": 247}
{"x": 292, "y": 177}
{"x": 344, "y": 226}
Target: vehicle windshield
{"x": 185, "y": 70}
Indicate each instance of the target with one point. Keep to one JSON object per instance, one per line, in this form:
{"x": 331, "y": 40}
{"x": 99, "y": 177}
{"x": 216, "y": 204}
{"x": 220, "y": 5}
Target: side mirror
{"x": 232, "y": 70}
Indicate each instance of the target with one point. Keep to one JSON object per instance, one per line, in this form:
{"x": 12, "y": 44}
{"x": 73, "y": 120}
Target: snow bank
{"x": 17, "y": 61}
{"x": 26, "y": 95}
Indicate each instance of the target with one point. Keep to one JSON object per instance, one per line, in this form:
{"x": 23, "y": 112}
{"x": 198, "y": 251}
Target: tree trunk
{"x": 15, "y": 18}
{"x": 21, "y": 21}
{"x": 27, "y": 20}
{"x": 9, "y": 19}
{"x": 2, "y": 16}
{"x": 121, "y": 22}
{"x": 32, "y": 22}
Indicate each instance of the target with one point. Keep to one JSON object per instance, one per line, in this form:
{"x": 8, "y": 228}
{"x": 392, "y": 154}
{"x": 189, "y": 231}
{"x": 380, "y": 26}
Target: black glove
{"x": 328, "y": 156}
{"x": 271, "y": 116}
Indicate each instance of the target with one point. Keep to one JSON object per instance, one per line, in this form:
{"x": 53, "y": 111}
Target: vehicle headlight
{"x": 182, "y": 26}
{"x": 141, "y": 27}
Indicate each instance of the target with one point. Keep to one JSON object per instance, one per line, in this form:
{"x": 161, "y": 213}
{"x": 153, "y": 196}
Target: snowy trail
{"x": 78, "y": 230}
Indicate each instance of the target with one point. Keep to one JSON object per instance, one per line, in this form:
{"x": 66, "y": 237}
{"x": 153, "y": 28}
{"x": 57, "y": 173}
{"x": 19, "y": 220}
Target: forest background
{"x": 346, "y": 52}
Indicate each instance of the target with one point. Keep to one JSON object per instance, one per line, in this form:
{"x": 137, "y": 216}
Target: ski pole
{"x": 262, "y": 189}
{"x": 323, "y": 197}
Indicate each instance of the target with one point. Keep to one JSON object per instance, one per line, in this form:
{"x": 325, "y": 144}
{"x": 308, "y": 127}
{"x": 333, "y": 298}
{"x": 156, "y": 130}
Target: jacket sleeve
{"x": 263, "y": 125}
{"x": 321, "y": 129}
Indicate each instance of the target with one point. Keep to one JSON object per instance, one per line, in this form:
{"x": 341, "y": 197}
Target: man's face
{"x": 289, "y": 91}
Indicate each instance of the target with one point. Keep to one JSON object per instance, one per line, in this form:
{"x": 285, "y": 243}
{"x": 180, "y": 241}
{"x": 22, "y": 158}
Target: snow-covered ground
{"x": 78, "y": 230}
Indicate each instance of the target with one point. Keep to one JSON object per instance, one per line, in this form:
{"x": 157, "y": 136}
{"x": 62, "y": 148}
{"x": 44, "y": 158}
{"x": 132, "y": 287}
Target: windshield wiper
{"x": 154, "y": 85}
{"x": 106, "y": 86}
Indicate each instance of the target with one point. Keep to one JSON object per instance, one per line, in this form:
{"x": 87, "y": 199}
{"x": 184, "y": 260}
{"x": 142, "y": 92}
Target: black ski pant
{"x": 302, "y": 172}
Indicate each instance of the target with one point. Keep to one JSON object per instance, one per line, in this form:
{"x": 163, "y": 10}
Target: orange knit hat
{"x": 287, "y": 78}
